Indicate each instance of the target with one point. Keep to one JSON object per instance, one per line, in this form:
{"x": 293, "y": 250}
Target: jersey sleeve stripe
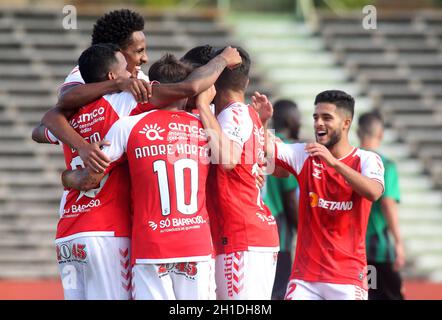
{"x": 50, "y": 137}
{"x": 70, "y": 83}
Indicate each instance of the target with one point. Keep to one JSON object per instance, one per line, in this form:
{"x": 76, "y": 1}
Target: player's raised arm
{"x": 76, "y": 96}
{"x": 369, "y": 184}
{"x": 224, "y": 151}
{"x": 264, "y": 108}
{"x": 199, "y": 80}
{"x": 72, "y": 98}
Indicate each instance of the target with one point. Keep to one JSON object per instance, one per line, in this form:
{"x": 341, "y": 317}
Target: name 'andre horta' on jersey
{"x": 168, "y": 156}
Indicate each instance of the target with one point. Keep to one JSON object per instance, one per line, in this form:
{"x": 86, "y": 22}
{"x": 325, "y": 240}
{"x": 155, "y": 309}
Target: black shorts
{"x": 388, "y": 283}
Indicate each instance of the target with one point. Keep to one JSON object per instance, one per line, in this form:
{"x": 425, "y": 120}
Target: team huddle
{"x": 163, "y": 179}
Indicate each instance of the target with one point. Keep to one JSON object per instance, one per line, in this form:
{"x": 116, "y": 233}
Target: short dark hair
{"x": 169, "y": 70}
{"x": 96, "y": 61}
{"x": 366, "y": 123}
{"x": 281, "y": 109}
{"x": 339, "y": 98}
{"x": 198, "y": 56}
{"x": 117, "y": 27}
{"x": 237, "y": 78}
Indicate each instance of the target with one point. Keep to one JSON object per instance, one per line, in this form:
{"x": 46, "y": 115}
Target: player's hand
{"x": 205, "y": 98}
{"x": 318, "y": 150}
{"x": 232, "y": 56}
{"x": 263, "y": 106}
{"x": 399, "y": 263}
{"x": 93, "y": 157}
{"x": 259, "y": 179}
{"x": 140, "y": 89}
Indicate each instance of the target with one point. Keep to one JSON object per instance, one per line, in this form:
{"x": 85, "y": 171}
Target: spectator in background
{"x": 280, "y": 195}
{"x": 386, "y": 256}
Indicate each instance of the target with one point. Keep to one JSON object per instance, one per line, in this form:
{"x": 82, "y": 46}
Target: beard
{"x": 334, "y": 139}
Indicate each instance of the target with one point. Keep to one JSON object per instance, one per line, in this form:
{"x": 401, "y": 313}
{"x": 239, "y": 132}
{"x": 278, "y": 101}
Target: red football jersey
{"x": 240, "y": 220}
{"x": 104, "y": 211}
{"x": 168, "y": 160}
{"x": 332, "y": 219}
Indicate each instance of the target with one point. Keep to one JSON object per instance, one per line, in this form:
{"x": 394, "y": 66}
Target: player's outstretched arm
{"x": 264, "y": 108}
{"x": 56, "y": 121}
{"x": 199, "y": 80}
{"x": 224, "y": 151}
{"x": 75, "y": 96}
{"x": 81, "y": 179}
{"x": 368, "y": 188}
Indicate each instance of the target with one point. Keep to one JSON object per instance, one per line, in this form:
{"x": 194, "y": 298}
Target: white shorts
{"x": 305, "y": 290}
{"x": 95, "y": 268}
{"x": 173, "y": 281}
{"x": 245, "y": 275}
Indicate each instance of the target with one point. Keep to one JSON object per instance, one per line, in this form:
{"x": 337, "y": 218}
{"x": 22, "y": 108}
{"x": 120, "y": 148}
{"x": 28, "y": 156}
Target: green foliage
{"x": 158, "y": 3}
{"x": 343, "y": 4}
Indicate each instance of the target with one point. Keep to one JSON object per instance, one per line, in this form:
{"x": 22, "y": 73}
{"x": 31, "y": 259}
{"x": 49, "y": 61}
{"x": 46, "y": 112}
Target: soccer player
{"x": 103, "y": 211}
{"x": 168, "y": 159}
{"x": 338, "y": 183}
{"x": 279, "y": 194}
{"x": 244, "y": 232}
{"x": 123, "y": 28}
{"x": 93, "y": 233}
{"x": 383, "y": 254}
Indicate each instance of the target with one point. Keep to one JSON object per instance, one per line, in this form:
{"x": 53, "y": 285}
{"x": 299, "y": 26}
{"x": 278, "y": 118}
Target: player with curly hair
{"x": 125, "y": 29}
{"x": 93, "y": 233}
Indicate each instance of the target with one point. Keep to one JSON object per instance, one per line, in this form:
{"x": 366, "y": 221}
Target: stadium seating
{"x": 400, "y": 67}
{"x": 36, "y": 54}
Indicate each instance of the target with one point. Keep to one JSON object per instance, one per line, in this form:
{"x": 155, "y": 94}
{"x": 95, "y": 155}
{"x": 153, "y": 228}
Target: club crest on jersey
{"x": 153, "y": 132}
{"x": 187, "y": 269}
{"x": 70, "y": 252}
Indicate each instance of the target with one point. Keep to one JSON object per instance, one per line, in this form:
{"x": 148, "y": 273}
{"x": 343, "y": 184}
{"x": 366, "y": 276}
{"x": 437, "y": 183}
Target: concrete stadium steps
{"x": 30, "y": 270}
{"x": 44, "y": 225}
